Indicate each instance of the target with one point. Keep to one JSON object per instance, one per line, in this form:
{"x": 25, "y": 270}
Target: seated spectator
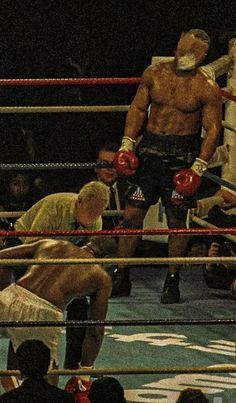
{"x": 197, "y": 246}
{"x": 33, "y": 358}
{"x": 118, "y": 185}
{"x": 18, "y": 194}
{"x": 218, "y": 275}
{"x": 106, "y": 390}
{"x": 191, "y": 395}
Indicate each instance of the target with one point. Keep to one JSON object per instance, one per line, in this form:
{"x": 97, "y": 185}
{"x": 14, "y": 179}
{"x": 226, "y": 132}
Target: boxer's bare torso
{"x": 59, "y": 284}
{"x": 176, "y": 100}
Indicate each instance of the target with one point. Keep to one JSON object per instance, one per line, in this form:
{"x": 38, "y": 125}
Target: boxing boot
{"x": 121, "y": 284}
{"x": 170, "y": 293}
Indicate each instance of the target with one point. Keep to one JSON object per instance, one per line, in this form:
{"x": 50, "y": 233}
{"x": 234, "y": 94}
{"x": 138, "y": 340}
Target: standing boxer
{"x": 180, "y": 99}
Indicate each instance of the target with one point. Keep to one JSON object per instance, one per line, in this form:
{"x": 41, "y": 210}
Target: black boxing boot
{"x": 121, "y": 284}
{"x": 170, "y": 293}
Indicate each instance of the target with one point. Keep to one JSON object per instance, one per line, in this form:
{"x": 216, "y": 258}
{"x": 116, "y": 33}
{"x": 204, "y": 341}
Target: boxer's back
{"x": 59, "y": 284}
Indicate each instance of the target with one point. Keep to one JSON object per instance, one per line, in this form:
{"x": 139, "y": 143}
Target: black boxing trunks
{"x": 160, "y": 157}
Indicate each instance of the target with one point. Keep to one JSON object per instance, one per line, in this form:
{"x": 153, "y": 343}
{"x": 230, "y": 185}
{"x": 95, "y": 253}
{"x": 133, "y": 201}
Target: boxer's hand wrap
{"x": 125, "y": 160}
{"x": 199, "y": 166}
{"x": 187, "y": 181}
{"x": 127, "y": 144}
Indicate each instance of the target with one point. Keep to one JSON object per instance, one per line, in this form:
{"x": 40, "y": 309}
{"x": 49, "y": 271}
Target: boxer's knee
{"x": 133, "y": 217}
{"x": 175, "y": 220}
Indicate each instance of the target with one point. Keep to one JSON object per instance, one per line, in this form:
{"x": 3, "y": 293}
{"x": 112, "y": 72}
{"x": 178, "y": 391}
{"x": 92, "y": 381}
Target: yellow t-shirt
{"x": 53, "y": 212}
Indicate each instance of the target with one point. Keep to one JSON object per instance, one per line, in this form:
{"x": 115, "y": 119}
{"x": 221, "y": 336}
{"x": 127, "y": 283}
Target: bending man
{"x": 42, "y": 294}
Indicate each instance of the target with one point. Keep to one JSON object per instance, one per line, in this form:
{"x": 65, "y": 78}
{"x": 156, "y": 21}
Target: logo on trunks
{"x": 176, "y": 198}
{"x": 138, "y": 195}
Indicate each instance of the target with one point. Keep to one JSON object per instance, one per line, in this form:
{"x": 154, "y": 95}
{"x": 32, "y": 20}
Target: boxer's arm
{"x": 22, "y": 251}
{"x": 188, "y": 180}
{"x": 211, "y": 122}
{"x": 80, "y": 385}
{"x": 97, "y": 311}
{"x": 139, "y": 106}
{"x": 125, "y": 160}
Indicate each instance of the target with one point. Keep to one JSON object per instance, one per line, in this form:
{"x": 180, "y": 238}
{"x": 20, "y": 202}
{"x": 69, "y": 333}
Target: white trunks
{"x": 19, "y": 304}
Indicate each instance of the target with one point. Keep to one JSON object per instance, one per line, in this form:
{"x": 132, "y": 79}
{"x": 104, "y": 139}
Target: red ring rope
{"x": 83, "y": 81}
{"x": 69, "y": 81}
{"x": 182, "y": 231}
{"x": 228, "y": 95}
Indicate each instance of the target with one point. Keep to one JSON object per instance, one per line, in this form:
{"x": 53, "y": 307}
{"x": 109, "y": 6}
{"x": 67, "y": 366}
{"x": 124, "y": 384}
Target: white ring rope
{"x": 127, "y": 261}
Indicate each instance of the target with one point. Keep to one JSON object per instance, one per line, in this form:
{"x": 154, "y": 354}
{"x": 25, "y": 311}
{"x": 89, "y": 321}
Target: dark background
{"x": 93, "y": 38}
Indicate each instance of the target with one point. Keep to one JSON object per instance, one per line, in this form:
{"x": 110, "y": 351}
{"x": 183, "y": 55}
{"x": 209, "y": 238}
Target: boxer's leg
{"x": 133, "y": 219}
{"x": 176, "y": 248}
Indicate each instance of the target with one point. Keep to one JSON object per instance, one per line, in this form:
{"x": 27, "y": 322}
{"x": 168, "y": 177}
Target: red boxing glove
{"x": 79, "y": 388}
{"x": 187, "y": 181}
{"x": 125, "y": 162}
{"x": 82, "y": 396}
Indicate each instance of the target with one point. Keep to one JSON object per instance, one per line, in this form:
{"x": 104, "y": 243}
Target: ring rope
{"x": 93, "y": 165}
{"x": 228, "y": 126}
{"x": 127, "y": 261}
{"x": 204, "y": 223}
{"x": 84, "y": 81}
{"x": 228, "y": 95}
{"x": 11, "y": 214}
{"x": 66, "y": 108}
{"x": 17, "y": 214}
{"x": 56, "y": 165}
{"x": 95, "y": 323}
{"x": 69, "y": 81}
{"x": 117, "y": 232}
{"x": 133, "y": 371}
{"x": 220, "y": 181}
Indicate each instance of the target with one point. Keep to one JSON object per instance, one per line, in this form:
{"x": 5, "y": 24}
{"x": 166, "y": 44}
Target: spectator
{"x": 118, "y": 185}
{"x": 33, "y": 357}
{"x": 106, "y": 390}
{"x": 197, "y": 247}
{"x": 19, "y": 194}
{"x": 219, "y": 275}
{"x": 191, "y": 395}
